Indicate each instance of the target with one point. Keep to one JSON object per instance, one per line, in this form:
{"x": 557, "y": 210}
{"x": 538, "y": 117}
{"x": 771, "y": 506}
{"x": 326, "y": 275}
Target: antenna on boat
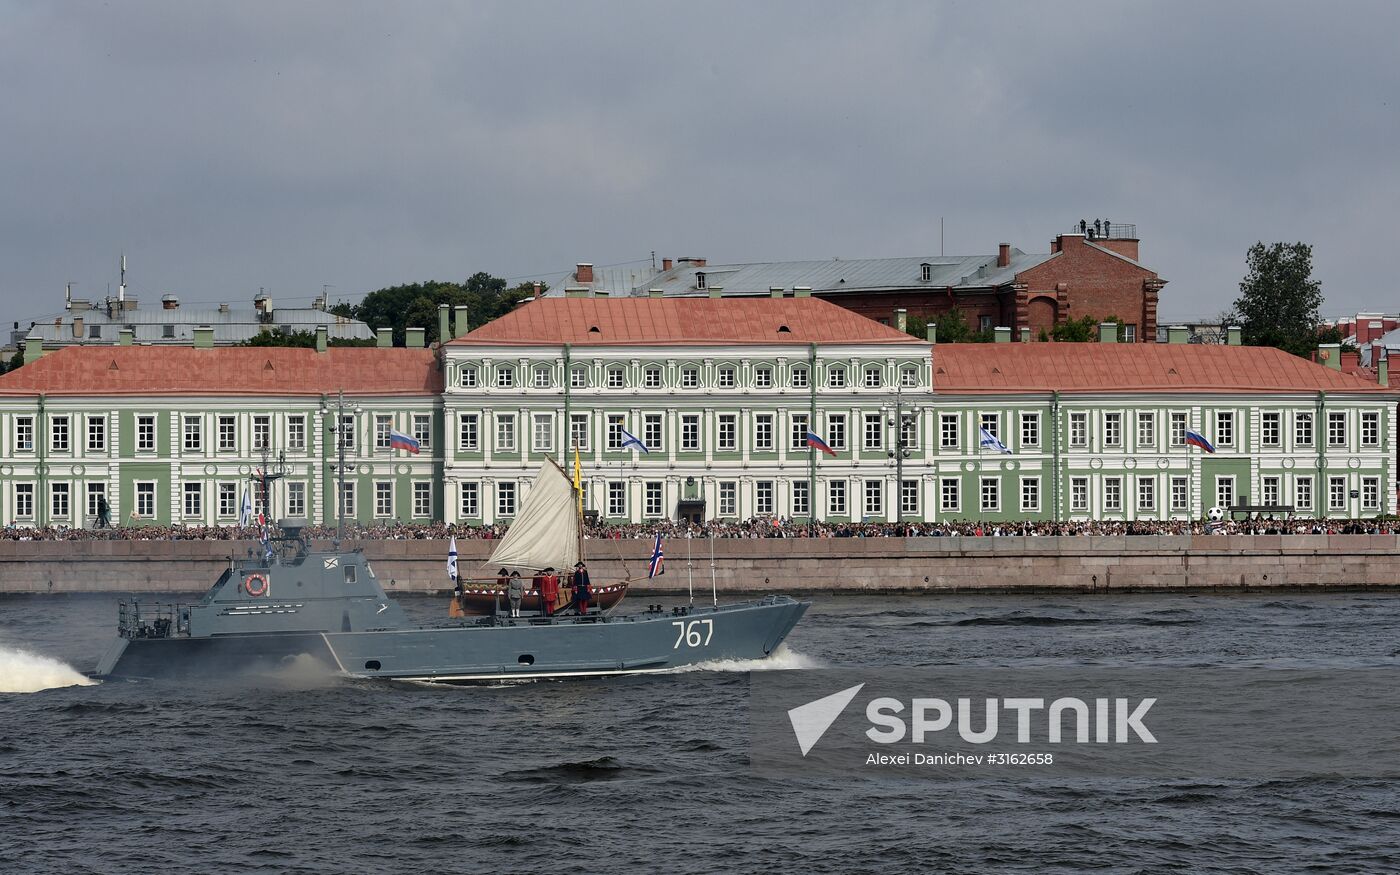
{"x": 714, "y": 587}
{"x": 689, "y": 573}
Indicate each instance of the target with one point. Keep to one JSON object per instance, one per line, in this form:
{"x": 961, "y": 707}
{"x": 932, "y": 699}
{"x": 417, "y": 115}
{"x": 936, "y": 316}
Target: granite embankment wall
{"x": 838, "y": 564}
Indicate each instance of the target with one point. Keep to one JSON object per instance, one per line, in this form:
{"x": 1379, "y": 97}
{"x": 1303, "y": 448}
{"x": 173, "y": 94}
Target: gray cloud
{"x": 227, "y": 147}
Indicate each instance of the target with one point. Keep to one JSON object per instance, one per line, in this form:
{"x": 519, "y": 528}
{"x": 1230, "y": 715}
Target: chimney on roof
{"x": 319, "y": 302}
{"x": 414, "y": 338}
{"x": 322, "y": 338}
{"x": 802, "y": 291}
{"x": 693, "y": 262}
{"x": 1330, "y": 354}
{"x": 169, "y": 302}
{"x": 539, "y": 291}
{"x": 575, "y": 292}
{"x": 600, "y": 293}
{"x": 223, "y": 308}
{"x": 584, "y": 274}
{"x": 716, "y": 291}
{"x": 204, "y": 337}
{"x": 901, "y": 319}
{"x": 444, "y": 323}
{"x": 1232, "y": 335}
{"x": 1003, "y": 334}
{"x": 1025, "y": 335}
{"x": 656, "y": 293}
{"x": 33, "y": 348}
{"x": 1382, "y": 370}
{"x": 666, "y": 264}
{"x": 77, "y": 328}
{"x": 263, "y": 304}
{"x": 931, "y": 332}
{"x": 1004, "y": 255}
{"x": 463, "y": 323}
{"x": 1178, "y": 334}
{"x": 384, "y": 337}
{"x": 1108, "y": 332}
{"x": 775, "y": 291}
{"x": 124, "y": 337}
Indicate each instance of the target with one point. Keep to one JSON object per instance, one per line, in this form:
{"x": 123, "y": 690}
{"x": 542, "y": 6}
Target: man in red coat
{"x": 549, "y": 590}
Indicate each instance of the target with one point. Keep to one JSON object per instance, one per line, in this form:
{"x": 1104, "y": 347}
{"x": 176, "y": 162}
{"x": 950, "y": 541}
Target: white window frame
{"x": 1030, "y": 429}
{"x": 383, "y": 499}
{"x": 422, "y": 499}
{"x": 950, "y": 495}
{"x": 1079, "y": 429}
{"x": 469, "y": 499}
{"x": 542, "y": 432}
{"x": 97, "y": 433}
{"x": 1079, "y": 494}
{"x": 192, "y": 492}
{"x": 1030, "y": 495}
{"x": 1303, "y": 492}
{"x": 836, "y": 503}
{"x": 468, "y": 431}
{"x": 1113, "y": 494}
{"x": 763, "y": 439}
{"x": 506, "y": 435}
{"x": 948, "y": 430}
{"x": 989, "y": 494}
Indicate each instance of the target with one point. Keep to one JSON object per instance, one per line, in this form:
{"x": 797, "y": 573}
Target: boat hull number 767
{"x": 696, "y": 633}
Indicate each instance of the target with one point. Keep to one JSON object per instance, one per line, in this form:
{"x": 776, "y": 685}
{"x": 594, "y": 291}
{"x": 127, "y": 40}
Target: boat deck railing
{"x": 152, "y": 619}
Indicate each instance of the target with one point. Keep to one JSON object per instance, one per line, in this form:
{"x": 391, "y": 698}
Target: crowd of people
{"x": 751, "y": 529}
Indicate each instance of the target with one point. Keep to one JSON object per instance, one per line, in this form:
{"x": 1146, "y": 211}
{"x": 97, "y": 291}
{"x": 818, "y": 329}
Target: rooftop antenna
{"x": 121, "y": 289}
{"x": 940, "y": 236}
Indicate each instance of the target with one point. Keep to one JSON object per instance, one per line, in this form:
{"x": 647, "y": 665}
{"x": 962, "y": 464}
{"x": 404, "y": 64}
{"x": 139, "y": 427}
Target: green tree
{"x": 1085, "y": 329}
{"x": 953, "y": 328}
{"x": 1081, "y": 330}
{"x": 416, "y": 304}
{"x": 301, "y": 339}
{"x": 1279, "y": 300}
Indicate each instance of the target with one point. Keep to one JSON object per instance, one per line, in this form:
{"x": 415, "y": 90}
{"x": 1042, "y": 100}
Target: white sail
{"x": 545, "y": 531}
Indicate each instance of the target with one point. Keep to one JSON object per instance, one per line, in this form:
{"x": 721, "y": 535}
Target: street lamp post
{"x": 338, "y": 428}
{"x": 899, "y": 419}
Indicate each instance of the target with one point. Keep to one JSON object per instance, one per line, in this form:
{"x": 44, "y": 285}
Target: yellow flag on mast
{"x": 578, "y": 484}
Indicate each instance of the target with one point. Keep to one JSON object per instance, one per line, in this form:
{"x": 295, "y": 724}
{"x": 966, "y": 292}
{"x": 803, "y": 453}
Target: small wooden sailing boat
{"x": 545, "y": 539}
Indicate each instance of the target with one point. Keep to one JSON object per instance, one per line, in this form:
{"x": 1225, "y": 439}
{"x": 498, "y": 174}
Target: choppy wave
{"x": 25, "y": 672}
{"x": 782, "y": 659}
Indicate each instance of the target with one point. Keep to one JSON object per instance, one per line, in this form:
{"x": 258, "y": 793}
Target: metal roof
{"x": 170, "y": 370}
{"x": 657, "y": 321}
{"x": 839, "y": 275}
{"x": 149, "y": 326}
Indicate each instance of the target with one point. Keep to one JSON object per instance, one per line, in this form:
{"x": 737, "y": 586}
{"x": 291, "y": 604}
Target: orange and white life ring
{"x": 255, "y": 584}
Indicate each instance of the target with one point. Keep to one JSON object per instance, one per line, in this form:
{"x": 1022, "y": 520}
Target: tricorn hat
{"x": 578, "y": 564}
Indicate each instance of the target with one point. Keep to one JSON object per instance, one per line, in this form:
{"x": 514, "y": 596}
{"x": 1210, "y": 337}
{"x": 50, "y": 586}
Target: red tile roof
{"x": 664, "y": 321}
{"x": 1130, "y": 367}
{"x": 162, "y": 370}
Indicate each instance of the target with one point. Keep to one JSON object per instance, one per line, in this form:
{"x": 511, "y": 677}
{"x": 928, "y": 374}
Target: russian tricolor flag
{"x": 1195, "y": 440}
{"x": 817, "y": 443}
{"x": 399, "y": 441}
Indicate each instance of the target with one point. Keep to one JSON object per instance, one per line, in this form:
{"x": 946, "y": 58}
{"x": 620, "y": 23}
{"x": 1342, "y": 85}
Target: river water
{"x": 307, "y": 774}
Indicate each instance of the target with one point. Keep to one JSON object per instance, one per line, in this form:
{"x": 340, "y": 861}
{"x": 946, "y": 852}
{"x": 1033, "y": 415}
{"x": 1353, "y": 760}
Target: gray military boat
{"x": 293, "y": 603}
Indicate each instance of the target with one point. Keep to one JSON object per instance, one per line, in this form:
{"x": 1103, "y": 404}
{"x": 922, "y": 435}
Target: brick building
{"x": 1085, "y": 273}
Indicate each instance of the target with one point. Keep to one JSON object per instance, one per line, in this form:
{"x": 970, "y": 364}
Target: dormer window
{"x": 699, "y": 279}
{"x": 925, "y": 271}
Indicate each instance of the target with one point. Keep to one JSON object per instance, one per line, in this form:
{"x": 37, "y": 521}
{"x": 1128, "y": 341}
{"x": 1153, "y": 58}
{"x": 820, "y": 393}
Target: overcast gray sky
{"x": 229, "y": 146}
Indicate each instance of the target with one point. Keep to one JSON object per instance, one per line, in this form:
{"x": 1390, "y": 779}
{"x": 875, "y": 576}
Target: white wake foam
{"x": 25, "y": 672}
{"x": 782, "y": 659}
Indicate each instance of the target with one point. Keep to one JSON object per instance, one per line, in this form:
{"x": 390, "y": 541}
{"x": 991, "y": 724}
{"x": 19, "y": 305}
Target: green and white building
{"x": 177, "y": 435}
{"x": 722, "y": 392}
